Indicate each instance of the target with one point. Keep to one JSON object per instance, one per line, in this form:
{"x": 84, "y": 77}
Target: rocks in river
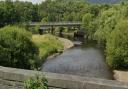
{"x": 77, "y": 43}
{"x": 121, "y": 75}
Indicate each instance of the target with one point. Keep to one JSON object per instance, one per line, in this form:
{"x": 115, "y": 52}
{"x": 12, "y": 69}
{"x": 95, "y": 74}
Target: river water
{"x": 85, "y": 60}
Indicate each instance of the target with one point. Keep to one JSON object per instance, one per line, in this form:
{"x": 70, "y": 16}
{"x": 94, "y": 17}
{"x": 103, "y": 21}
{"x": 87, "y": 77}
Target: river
{"x": 84, "y": 60}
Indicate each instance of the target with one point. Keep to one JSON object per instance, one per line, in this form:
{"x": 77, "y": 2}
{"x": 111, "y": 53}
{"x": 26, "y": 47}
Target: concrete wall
{"x": 11, "y": 78}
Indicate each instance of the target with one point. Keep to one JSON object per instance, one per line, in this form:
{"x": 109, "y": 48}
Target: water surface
{"x": 86, "y": 60}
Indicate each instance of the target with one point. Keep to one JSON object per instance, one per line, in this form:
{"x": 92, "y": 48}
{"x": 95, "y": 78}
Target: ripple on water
{"x": 87, "y": 61}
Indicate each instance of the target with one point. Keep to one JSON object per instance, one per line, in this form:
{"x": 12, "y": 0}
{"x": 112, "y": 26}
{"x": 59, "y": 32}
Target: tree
{"x": 117, "y": 46}
{"x": 107, "y": 22}
{"x": 61, "y": 8}
{"x": 88, "y": 25}
{"x": 16, "y": 48}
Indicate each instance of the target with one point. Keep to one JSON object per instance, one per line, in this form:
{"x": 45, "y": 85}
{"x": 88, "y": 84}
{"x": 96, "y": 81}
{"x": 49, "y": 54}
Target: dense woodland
{"x": 58, "y": 10}
{"x": 107, "y": 23}
{"x": 104, "y": 1}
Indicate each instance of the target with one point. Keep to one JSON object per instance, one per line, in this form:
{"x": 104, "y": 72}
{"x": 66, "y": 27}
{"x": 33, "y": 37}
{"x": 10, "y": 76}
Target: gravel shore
{"x": 67, "y": 43}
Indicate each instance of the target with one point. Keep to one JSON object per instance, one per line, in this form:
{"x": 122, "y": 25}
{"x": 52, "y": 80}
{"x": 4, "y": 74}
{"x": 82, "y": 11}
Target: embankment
{"x": 50, "y": 45}
{"x": 67, "y": 44}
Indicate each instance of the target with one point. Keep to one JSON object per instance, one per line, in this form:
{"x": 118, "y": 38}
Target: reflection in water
{"x": 80, "y": 60}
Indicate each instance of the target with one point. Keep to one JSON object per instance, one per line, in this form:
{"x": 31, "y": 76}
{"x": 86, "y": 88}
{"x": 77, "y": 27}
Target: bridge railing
{"x": 56, "y": 23}
{"x": 11, "y": 78}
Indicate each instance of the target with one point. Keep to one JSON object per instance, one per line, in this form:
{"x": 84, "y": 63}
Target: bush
{"x": 16, "y": 48}
{"x": 106, "y": 24}
{"x": 88, "y": 25}
{"x": 39, "y": 82}
{"x": 34, "y": 30}
{"x": 117, "y": 46}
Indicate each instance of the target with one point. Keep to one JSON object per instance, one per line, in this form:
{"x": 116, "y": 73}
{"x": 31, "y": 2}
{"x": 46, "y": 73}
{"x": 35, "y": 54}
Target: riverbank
{"x": 67, "y": 44}
{"x": 47, "y": 44}
{"x": 50, "y": 45}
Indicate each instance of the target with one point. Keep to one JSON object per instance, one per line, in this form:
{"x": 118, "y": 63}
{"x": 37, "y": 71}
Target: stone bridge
{"x": 11, "y": 78}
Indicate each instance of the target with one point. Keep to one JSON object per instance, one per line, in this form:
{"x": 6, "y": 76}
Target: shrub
{"x": 88, "y": 25}
{"x": 117, "y": 46}
{"x": 17, "y": 48}
{"x": 106, "y": 24}
{"x": 39, "y": 82}
{"x": 34, "y": 30}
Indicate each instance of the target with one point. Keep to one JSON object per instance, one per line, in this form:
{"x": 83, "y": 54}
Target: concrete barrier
{"x": 11, "y": 78}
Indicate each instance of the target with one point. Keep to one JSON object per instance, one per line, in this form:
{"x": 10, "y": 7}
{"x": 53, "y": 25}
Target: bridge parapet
{"x": 11, "y": 78}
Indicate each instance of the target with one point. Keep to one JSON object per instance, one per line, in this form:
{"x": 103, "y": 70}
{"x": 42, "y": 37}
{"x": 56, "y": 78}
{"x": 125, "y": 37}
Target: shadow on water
{"x": 84, "y": 60}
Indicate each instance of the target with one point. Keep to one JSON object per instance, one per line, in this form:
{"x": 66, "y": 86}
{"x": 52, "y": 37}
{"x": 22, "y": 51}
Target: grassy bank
{"x": 48, "y": 45}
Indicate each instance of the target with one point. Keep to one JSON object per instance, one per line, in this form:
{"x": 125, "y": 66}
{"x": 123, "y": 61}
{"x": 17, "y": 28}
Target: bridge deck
{"x": 56, "y": 24}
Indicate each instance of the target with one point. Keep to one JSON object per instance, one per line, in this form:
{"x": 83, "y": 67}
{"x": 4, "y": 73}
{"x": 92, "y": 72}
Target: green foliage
{"x": 37, "y": 82}
{"x": 61, "y": 8}
{"x": 87, "y": 19}
{"x": 44, "y": 20}
{"x": 108, "y": 27}
{"x": 107, "y": 22}
{"x": 34, "y": 30}
{"x": 90, "y": 20}
{"x": 17, "y": 12}
{"x": 108, "y": 19}
{"x": 105, "y": 1}
{"x": 88, "y": 25}
{"x": 26, "y": 11}
{"x": 47, "y": 44}
{"x": 16, "y": 48}
{"x": 117, "y": 46}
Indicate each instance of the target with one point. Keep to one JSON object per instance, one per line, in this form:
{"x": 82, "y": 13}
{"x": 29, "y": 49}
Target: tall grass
{"x": 48, "y": 44}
